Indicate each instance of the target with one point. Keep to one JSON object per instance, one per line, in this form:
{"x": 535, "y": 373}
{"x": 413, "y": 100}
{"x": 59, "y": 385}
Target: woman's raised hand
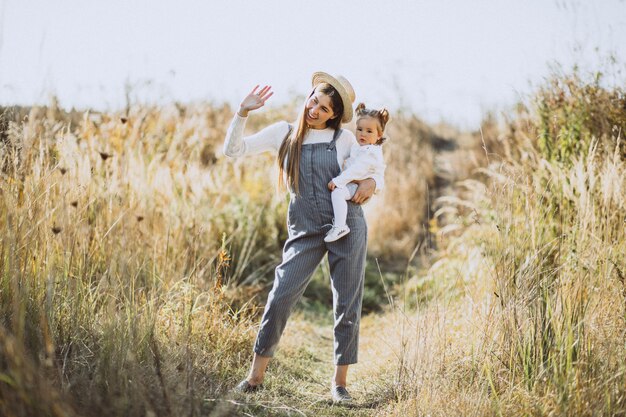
{"x": 255, "y": 100}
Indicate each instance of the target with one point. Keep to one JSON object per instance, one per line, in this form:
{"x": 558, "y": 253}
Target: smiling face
{"x": 318, "y": 110}
{"x": 367, "y": 131}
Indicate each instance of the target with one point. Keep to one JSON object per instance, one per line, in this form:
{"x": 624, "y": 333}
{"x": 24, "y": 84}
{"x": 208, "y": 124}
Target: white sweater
{"x": 270, "y": 138}
{"x": 362, "y": 163}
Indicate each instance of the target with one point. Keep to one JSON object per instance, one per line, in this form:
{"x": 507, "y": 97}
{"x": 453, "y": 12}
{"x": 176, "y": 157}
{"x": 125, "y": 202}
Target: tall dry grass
{"x": 398, "y": 219}
{"x": 132, "y": 254}
{"x": 527, "y": 305}
{"x": 118, "y": 277}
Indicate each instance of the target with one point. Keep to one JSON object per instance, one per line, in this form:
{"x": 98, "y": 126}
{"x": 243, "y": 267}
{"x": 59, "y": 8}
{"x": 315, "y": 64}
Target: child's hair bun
{"x": 384, "y": 116}
{"x": 381, "y": 115}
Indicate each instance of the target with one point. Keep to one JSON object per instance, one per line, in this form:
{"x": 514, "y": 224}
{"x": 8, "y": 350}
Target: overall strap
{"x": 336, "y": 134}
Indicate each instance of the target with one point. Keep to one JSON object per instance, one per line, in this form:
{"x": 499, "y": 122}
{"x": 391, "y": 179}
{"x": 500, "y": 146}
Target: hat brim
{"x": 322, "y": 77}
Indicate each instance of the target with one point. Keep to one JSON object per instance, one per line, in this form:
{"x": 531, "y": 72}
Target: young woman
{"x": 310, "y": 154}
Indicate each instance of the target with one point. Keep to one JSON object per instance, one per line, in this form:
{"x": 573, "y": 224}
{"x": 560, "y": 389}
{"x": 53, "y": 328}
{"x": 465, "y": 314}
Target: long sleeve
{"x": 379, "y": 178}
{"x": 378, "y": 173}
{"x": 269, "y": 138}
{"x": 364, "y": 162}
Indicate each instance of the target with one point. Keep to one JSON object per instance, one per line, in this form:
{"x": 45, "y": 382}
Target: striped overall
{"x": 308, "y": 219}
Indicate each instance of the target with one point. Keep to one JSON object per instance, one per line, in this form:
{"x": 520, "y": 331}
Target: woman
{"x": 309, "y": 155}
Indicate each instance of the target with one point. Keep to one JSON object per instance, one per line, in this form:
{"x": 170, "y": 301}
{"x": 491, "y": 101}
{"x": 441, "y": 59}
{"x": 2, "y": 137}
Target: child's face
{"x": 367, "y": 131}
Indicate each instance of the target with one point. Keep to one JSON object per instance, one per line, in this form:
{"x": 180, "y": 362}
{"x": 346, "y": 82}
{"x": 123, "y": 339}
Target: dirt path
{"x": 298, "y": 379}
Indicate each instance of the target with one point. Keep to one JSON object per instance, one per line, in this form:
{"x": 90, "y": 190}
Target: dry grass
{"x": 117, "y": 280}
{"x": 525, "y": 310}
{"x": 132, "y": 254}
{"x": 398, "y": 219}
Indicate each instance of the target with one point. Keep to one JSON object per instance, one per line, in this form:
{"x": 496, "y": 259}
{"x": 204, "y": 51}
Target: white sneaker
{"x": 340, "y": 395}
{"x": 336, "y": 232}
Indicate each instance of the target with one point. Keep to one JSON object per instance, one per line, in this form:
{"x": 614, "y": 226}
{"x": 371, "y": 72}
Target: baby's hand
{"x": 331, "y": 186}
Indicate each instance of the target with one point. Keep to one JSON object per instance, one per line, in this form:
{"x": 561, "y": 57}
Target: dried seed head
{"x": 63, "y": 170}
{"x": 56, "y": 230}
{"x": 105, "y": 155}
{"x": 123, "y": 119}
{"x": 139, "y": 218}
{"x": 74, "y": 203}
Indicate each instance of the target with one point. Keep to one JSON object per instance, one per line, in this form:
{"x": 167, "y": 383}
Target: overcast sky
{"x": 443, "y": 59}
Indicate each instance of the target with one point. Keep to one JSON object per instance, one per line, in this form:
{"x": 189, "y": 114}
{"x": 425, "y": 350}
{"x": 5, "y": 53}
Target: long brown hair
{"x": 291, "y": 148}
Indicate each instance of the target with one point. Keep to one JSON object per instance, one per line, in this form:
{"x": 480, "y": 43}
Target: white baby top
{"x": 362, "y": 163}
{"x": 270, "y": 138}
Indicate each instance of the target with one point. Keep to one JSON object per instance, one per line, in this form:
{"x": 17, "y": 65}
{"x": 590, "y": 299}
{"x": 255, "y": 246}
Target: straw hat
{"x": 343, "y": 87}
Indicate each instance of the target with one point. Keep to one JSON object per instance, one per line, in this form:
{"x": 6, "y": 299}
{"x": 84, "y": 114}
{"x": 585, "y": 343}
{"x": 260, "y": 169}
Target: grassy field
{"x": 135, "y": 260}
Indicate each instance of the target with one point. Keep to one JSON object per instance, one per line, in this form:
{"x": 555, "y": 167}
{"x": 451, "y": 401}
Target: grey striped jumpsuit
{"x": 308, "y": 217}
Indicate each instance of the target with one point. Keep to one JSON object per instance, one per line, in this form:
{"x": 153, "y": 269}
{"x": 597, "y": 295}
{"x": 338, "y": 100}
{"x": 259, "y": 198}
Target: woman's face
{"x": 318, "y": 110}
{"x": 367, "y": 131}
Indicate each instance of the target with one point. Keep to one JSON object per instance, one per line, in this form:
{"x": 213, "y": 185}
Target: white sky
{"x": 443, "y": 59}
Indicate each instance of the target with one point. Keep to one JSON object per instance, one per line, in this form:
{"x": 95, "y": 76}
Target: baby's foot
{"x": 336, "y": 233}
